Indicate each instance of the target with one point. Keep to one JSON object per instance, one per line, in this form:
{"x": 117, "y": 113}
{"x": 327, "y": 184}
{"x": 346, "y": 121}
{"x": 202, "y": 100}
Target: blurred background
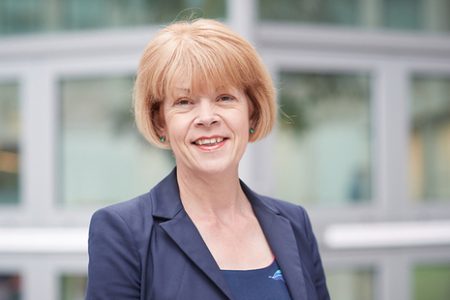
{"x": 362, "y": 141}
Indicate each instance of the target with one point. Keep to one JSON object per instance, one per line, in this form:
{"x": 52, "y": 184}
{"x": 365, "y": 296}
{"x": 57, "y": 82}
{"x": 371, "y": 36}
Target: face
{"x": 209, "y": 131}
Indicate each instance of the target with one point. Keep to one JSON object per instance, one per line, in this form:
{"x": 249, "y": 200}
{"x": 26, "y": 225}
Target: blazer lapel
{"x": 186, "y": 236}
{"x": 167, "y": 204}
{"x": 281, "y": 238}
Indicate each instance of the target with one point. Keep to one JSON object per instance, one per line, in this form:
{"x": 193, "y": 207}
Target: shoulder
{"x": 291, "y": 211}
{"x": 127, "y": 210}
{"x": 294, "y": 213}
{"x": 131, "y": 220}
{"x": 284, "y": 207}
{"x": 117, "y": 241}
{"x": 137, "y": 214}
{"x": 275, "y": 205}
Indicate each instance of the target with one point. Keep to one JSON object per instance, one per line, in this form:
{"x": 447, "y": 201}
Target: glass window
{"x": 323, "y": 146}
{"x": 317, "y": 11}
{"x": 72, "y": 287}
{"x": 403, "y": 14}
{"x": 9, "y": 287}
{"x": 391, "y": 14}
{"x": 103, "y": 157}
{"x": 351, "y": 284}
{"x": 432, "y": 282}
{"x": 9, "y": 143}
{"x": 429, "y": 139}
{"x": 56, "y": 15}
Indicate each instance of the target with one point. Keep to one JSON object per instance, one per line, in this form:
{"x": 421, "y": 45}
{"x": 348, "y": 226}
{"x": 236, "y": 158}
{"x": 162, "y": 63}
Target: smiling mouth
{"x": 209, "y": 141}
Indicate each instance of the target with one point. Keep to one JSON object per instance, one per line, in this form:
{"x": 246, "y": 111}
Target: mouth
{"x": 210, "y": 143}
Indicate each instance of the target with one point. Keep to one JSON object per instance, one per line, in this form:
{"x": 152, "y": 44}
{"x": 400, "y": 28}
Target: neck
{"x": 207, "y": 195}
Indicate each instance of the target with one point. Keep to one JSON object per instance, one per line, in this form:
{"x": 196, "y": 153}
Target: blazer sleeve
{"x": 318, "y": 272}
{"x": 114, "y": 265}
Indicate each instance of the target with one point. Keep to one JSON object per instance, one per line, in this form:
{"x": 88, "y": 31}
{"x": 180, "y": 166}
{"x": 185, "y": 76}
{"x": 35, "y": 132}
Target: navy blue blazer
{"x": 148, "y": 248}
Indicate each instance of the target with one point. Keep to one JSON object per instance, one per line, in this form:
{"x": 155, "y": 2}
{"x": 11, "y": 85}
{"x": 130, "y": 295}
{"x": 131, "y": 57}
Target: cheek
{"x": 246, "y": 115}
{"x": 176, "y": 127}
{"x": 240, "y": 123}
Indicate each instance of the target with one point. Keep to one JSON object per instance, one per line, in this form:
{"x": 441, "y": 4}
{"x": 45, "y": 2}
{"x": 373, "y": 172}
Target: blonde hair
{"x": 201, "y": 51}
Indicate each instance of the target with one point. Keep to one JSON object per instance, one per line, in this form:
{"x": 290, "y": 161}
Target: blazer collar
{"x": 166, "y": 204}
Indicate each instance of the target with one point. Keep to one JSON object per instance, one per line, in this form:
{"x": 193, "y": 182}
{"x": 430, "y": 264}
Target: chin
{"x": 214, "y": 167}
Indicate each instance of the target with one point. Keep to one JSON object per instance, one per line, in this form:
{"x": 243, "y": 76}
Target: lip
{"x": 210, "y": 147}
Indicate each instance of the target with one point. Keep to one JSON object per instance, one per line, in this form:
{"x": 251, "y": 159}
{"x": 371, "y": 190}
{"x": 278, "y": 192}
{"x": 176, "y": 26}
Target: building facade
{"x": 362, "y": 140}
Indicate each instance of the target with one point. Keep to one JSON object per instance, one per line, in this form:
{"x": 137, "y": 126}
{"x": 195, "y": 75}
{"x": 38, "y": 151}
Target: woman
{"x": 203, "y": 92}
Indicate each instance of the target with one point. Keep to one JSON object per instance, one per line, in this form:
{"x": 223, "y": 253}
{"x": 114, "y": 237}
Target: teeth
{"x": 211, "y": 141}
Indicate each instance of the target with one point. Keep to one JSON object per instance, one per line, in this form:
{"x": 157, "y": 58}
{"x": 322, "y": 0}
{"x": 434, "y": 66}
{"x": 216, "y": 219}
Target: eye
{"x": 226, "y": 98}
{"x": 183, "y": 102}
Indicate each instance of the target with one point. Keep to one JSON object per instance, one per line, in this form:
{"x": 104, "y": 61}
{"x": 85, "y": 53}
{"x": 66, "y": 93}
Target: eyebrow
{"x": 183, "y": 89}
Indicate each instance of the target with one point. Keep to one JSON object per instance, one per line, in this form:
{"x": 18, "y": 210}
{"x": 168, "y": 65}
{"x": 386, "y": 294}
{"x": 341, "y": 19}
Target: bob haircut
{"x": 207, "y": 54}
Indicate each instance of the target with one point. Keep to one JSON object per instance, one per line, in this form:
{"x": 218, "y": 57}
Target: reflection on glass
{"x": 9, "y": 143}
{"x": 72, "y": 287}
{"x": 323, "y": 139}
{"x": 319, "y": 11}
{"x": 56, "y": 15}
{"x": 351, "y": 284}
{"x": 9, "y": 287}
{"x": 430, "y": 139}
{"x": 403, "y": 14}
{"x": 391, "y": 14}
{"x": 103, "y": 157}
{"x": 432, "y": 282}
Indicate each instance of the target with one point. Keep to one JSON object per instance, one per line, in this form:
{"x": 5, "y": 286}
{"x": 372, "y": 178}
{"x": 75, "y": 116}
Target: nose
{"x": 206, "y": 115}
